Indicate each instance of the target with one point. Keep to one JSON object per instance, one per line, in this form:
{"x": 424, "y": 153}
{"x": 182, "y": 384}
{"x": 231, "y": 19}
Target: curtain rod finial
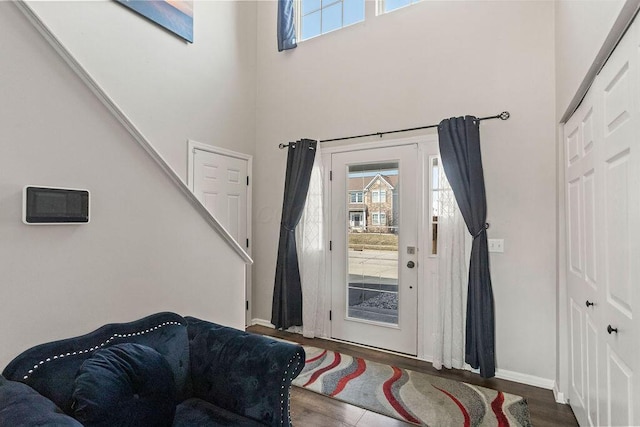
{"x": 504, "y": 115}
{"x": 281, "y": 146}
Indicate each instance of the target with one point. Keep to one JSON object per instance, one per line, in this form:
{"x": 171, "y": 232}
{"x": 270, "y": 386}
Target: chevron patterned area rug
{"x": 407, "y": 395}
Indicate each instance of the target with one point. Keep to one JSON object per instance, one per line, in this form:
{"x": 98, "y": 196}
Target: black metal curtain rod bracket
{"x": 502, "y": 116}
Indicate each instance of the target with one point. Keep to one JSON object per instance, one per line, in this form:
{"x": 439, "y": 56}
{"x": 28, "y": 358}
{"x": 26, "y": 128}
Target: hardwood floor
{"x": 309, "y": 409}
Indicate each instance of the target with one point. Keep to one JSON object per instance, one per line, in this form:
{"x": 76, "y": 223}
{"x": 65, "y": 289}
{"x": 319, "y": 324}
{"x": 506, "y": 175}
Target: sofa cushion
{"x": 20, "y": 405}
{"x": 125, "y": 385}
{"x": 51, "y": 368}
{"x": 197, "y": 412}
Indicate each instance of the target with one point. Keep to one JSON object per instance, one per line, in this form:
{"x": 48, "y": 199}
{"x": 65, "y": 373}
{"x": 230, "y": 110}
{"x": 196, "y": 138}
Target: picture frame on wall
{"x": 173, "y": 15}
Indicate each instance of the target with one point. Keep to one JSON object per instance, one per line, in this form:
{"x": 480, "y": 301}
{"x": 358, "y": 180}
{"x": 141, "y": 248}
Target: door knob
{"x": 411, "y": 264}
{"x": 610, "y": 329}
{"x": 589, "y": 303}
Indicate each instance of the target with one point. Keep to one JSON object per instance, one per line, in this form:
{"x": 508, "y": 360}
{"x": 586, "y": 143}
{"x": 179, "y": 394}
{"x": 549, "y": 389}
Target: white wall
{"x": 170, "y": 89}
{"x": 413, "y": 67}
{"x": 581, "y": 28}
{"x": 146, "y": 248}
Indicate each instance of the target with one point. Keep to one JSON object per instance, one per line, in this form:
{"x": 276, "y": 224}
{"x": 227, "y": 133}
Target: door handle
{"x": 588, "y": 303}
{"x": 411, "y": 264}
{"x": 610, "y": 329}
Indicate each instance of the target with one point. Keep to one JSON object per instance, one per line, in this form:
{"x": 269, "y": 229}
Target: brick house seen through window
{"x": 372, "y": 203}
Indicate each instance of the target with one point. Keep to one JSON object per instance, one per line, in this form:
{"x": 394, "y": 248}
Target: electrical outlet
{"x": 496, "y": 245}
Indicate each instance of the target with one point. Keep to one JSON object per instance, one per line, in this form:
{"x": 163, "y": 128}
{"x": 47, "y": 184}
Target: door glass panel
{"x": 372, "y": 239}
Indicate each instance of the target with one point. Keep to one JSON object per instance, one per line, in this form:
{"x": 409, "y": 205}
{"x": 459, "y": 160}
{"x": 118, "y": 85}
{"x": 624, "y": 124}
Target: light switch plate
{"x": 496, "y": 245}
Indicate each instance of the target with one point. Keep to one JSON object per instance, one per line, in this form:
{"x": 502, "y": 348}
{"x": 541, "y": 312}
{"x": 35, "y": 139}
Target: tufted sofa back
{"x": 51, "y": 368}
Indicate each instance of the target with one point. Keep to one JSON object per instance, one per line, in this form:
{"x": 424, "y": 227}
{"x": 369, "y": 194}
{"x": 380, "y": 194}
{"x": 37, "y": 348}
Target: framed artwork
{"x": 174, "y": 15}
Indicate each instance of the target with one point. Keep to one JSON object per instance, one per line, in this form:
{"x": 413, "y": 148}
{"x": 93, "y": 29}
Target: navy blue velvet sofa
{"x": 162, "y": 370}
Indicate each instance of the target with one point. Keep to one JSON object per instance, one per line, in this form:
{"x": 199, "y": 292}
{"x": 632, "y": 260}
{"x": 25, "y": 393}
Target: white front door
{"x": 374, "y": 236}
{"x": 220, "y": 180}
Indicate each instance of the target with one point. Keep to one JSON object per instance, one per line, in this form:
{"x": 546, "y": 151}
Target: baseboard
{"x": 262, "y": 322}
{"x": 560, "y": 398}
{"x": 525, "y": 379}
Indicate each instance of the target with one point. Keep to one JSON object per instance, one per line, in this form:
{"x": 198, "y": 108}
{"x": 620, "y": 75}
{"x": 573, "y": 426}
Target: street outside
{"x": 382, "y": 265}
{"x": 373, "y": 285}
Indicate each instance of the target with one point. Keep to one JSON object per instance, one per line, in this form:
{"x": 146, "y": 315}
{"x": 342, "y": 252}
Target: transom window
{"x": 385, "y": 6}
{"x": 322, "y": 16}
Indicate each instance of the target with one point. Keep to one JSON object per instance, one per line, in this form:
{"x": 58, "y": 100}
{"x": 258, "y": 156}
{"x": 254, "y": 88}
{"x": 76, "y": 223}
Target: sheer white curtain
{"x": 450, "y": 290}
{"x": 311, "y": 255}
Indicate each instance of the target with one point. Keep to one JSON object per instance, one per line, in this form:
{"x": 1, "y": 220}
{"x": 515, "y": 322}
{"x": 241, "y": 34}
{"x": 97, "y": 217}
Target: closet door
{"x": 602, "y": 190}
{"x": 620, "y": 163}
{"x": 583, "y": 190}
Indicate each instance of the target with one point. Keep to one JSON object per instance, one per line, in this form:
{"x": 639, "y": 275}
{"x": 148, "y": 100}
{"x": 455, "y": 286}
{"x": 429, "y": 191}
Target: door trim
{"x": 195, "y": 145}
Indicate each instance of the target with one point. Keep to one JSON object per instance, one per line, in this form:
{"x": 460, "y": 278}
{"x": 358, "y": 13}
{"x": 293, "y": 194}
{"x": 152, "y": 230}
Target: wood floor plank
{"x": 305, "y": 404}
{"x": 310, "y": 409}
{"x": 373, "y": 419}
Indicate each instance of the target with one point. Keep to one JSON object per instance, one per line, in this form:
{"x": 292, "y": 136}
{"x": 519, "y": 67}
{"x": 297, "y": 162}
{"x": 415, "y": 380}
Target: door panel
{"x": 577, "y": 354}
{"x": 575, "y": 227}
{"x": 374, "y": 236}
{"x": 619, "y": 390}
{"x": 589, "y": 190}
{"x": 219, "y": 182}
{"x": 592, "y": 380}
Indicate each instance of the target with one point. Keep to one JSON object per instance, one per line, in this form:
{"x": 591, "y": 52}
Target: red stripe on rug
{"x": 465, "y": 414}
{"x": 344, "y": 380}
{"x": 496, "y": 405}
{"x": 316, "y": 374}
{"x": 316, "y": 358}
{"x": 386, "y": 387}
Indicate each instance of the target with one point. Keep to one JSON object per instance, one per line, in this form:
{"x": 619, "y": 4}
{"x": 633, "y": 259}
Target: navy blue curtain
{"x": 286, "y": 27}
{"x": 286, "y": 310}
{"x": 460, "y": 152}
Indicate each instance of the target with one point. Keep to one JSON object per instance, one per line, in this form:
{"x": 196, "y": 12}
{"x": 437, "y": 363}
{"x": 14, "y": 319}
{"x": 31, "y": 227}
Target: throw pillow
{"x": 125, "y": 385}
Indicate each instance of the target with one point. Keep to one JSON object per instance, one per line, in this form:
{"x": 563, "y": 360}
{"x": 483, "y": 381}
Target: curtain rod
{"x": 502, "y": 116}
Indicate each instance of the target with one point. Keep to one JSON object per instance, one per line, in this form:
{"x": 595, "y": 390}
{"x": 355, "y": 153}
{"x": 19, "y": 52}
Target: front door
{"x": 374, "y": 247}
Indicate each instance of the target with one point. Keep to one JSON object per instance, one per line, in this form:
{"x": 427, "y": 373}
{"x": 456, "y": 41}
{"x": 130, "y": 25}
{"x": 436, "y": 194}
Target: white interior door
{"x": 620, "y": 175}
{"x": 602, "y": 164}
{"x": 220, "y": 183}
{"x": 220, "y": 180}
{"x": 374, "y": 223}
{"x": 584, "y": 277}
